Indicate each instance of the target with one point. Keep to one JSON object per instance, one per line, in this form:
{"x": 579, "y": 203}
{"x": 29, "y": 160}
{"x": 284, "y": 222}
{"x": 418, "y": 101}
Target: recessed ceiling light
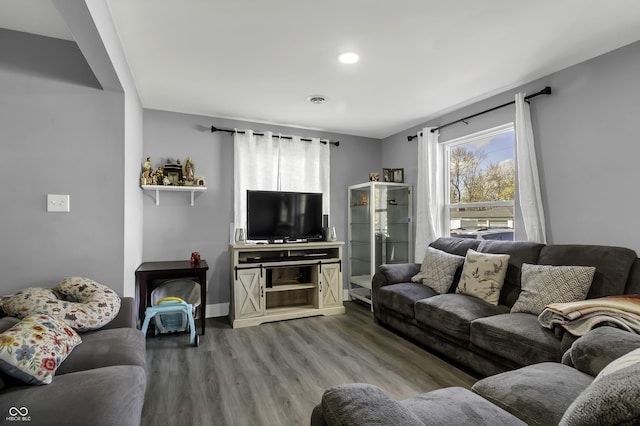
{"x": 348, "y": 58}
{"x": 317, "y": 99}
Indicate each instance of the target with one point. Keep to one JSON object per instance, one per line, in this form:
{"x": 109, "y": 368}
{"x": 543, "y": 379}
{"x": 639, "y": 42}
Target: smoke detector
{"x": 317, "y": 99}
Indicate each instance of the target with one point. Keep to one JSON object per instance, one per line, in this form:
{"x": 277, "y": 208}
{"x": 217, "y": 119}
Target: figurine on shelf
{"x": 195, "y": 258}
{"x": 188, "y": 171}
{"x": 158, "y": 177}
{"x": 147, "y": 171}
{"x": 364, "y": 200}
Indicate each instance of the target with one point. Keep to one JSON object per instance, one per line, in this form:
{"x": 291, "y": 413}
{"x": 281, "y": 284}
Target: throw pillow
{"x": 28, "y": 301}
{"x": 613, "y": 398}
{"x": 97, "y": 304}
{"x": 631, "y": 358}
{"x": 81, "y": 302}
{"x": 483, "y": 275}
{"x": 33, "y": 349}
{"x": 438, "y": 270}
{"x": 545, "y": 284}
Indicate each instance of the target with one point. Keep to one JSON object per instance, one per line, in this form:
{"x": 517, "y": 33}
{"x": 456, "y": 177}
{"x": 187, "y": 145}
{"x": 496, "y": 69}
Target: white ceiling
{"x": 261, "y": 60}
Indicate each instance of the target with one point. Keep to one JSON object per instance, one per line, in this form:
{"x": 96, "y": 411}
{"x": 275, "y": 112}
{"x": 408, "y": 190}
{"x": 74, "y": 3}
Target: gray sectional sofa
{"x": 486, "y": 338}
{"x": 575, "y": 392}
{"x": 102, "y": 382}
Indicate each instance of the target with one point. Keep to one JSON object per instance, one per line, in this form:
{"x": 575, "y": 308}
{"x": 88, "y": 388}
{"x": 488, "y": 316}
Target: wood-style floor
{"x": 274, "y": 374}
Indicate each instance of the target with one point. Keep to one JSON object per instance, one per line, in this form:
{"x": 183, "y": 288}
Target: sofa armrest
{"x": 596, "y": 349}
{"x": 391, "y": 274}
{"x": 394, "y": 273}
{"x": 362, "y": 404}
{"x": 126, "y": 317}
{"x": 103, "y": 396}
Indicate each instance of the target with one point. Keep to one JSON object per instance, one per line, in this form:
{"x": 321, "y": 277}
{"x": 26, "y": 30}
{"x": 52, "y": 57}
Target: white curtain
{"x": 430, "y": 190}
{"x": 275, "y": 164}
{"x": 304, "y": 167}
{"x": 528, "y": 182}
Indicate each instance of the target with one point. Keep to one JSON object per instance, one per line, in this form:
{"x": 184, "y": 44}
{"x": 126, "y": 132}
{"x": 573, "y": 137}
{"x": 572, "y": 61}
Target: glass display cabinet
{"x": 379, "y": 232}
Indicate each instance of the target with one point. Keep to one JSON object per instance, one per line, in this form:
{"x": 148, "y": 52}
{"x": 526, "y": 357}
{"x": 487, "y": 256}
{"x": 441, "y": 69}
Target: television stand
{"x": 286, "y": 241}
{"x": 284, "y": 281}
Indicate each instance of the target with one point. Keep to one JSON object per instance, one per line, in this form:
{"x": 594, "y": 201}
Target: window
{"x": 481, "y": 184}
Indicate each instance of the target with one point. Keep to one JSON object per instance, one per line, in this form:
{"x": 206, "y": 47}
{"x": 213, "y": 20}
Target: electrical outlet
{"x": 58, "y": 203}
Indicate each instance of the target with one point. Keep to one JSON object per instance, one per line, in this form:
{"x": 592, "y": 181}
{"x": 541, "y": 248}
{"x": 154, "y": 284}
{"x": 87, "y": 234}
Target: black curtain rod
{"x": 215, "y": 129}
{"x": 545, "y": 91}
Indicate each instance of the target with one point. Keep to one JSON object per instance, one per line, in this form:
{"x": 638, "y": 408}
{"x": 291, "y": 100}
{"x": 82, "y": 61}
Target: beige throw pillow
{"x": 438, "y": 270}
{"x": 483, "y": 275}
{"x": 627, "y": 360}
{"x": 545, "y": 284}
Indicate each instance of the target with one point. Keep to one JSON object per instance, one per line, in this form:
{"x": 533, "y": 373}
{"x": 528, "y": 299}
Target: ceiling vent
{"x": 317, "y": 99}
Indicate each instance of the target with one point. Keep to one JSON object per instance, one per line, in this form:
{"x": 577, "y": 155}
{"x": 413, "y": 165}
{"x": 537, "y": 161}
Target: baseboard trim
{"x": 215, "y": 310}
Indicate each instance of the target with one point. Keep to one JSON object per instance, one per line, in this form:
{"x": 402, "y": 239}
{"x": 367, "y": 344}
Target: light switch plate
{"x": 58, "y": 203}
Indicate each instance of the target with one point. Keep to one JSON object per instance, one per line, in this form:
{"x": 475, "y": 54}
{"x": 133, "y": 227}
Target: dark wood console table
{"x": 147, "y": 272}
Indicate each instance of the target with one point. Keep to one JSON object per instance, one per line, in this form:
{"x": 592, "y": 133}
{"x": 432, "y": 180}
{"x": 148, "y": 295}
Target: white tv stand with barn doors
{"x": 273, "y": 282}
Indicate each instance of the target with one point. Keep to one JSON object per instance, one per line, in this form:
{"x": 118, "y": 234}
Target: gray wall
{"x": 174, "y": 229}
{"x": 61, "y": 134}
{"x": 98, "y": 39}
{"x": 587, "y": 146}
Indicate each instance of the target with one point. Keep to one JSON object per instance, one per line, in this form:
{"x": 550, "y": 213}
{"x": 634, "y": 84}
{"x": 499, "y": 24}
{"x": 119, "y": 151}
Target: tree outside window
{"x": 481, "y": 184}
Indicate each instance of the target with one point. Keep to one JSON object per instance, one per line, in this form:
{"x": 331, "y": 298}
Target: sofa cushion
{"x": 596, "y": 349}
{"x": 483, "y": 275}
{"x": 100, "y": 397}
{"x": 458, "y": 246}
{"x": 633, "y": 282}
{"x": 401, "y": 298}
{"x": 537, "y": 394}
{"x": 545, "y": 284}
{"x": 612, "y": 399}
{"x": 7, "y": 322}
{"x": 517, "y": 337}
{"x": 457, "y": 406}
{"x": 359, "y": 403}
{"x": 452, "y": 313}
{"x": 612, "y": 264}
{"x": 519, "y": 252}
{"x": 120, "y": 346}
{"x": 33, "y": 349}
{"x": 438, "y": 270}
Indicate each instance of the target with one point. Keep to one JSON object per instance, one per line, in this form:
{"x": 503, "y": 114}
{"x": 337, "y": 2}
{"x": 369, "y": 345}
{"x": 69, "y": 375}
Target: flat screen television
{"x": 277, "y": 215}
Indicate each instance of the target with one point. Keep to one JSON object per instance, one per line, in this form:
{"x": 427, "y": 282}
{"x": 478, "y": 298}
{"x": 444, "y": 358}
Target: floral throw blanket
{"x": 578, "y": 318}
